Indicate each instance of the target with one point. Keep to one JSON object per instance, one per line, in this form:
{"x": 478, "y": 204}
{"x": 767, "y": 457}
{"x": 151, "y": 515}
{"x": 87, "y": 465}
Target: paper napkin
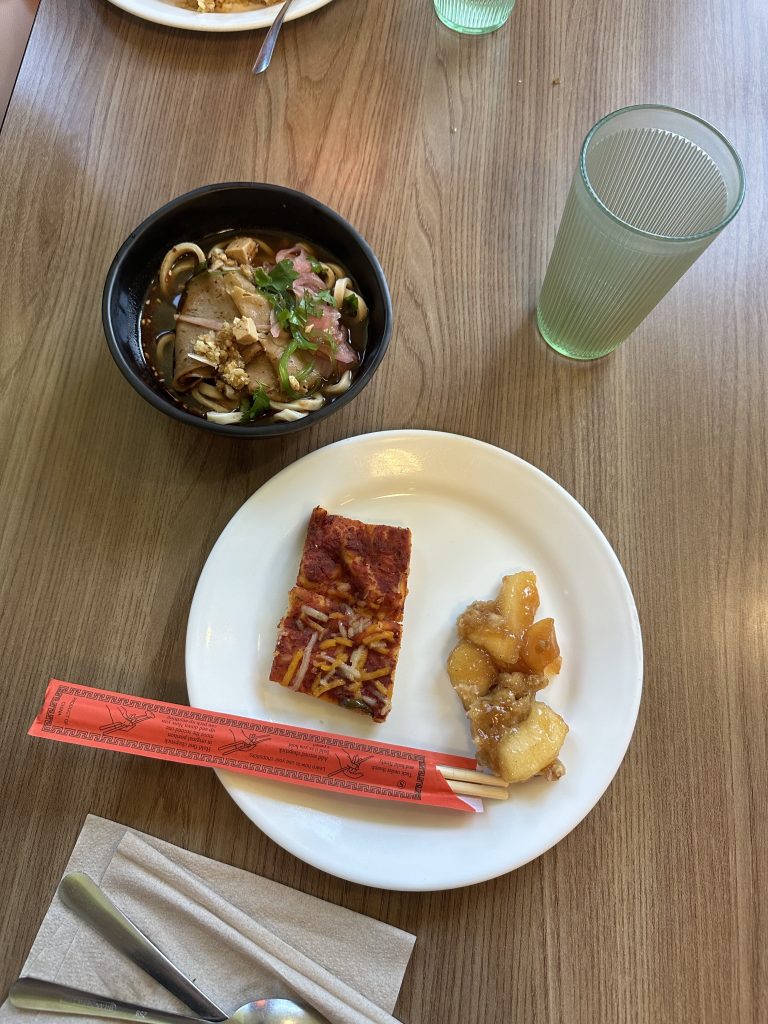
{"x": 236, "y": 935}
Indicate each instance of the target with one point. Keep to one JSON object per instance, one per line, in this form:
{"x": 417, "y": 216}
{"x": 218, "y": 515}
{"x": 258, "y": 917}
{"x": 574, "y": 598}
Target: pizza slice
{"x": 339, "y": 639}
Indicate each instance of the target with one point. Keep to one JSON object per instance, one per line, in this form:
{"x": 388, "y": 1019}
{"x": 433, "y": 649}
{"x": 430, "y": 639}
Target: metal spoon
{"x": 265, "y": 53}
{"x": 81, "y": 894}
{"x": 36, "y": 994}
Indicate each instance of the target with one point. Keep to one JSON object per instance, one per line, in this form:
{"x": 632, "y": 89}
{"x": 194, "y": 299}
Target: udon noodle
{"x": 244, "y": 328}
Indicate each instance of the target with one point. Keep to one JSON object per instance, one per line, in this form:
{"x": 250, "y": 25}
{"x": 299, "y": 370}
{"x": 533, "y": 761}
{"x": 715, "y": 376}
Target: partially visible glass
{"x": 474, "y": 17}
{"x": 654, "y": 187}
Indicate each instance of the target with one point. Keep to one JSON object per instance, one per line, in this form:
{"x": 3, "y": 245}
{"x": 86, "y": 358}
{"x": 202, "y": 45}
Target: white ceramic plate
{"x": 163, "y": 12}
{"x": 476, "y": 513}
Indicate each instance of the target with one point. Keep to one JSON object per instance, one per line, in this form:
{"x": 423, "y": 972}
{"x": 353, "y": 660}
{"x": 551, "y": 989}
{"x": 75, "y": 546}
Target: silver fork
{"x": 265, "y": 53}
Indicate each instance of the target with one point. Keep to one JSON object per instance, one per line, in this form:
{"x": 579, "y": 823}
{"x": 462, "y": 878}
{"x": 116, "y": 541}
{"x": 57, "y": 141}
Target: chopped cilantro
{"x": 306, "y": 307}
{"x": 316, "y": 267}
{"x": 351, "y": 302}
{"x": 292, "y": 314}
{"x": 277, "y": 280}
{"x": 325, "y": 296}
{"x": 259, "y": 404}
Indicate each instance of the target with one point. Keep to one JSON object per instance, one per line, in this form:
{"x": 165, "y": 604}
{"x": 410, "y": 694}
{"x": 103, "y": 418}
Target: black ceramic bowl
{"x": 241, "y": 207}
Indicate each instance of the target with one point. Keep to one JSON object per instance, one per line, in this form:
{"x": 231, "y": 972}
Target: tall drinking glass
{"x": 474, "y": 17}
{"x": 654, "y": 187}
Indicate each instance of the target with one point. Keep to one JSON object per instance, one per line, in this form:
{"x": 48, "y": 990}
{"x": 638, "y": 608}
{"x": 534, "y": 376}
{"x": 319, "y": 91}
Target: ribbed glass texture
{"x": 474, "y": 17}
{"x": 654, "y": 188}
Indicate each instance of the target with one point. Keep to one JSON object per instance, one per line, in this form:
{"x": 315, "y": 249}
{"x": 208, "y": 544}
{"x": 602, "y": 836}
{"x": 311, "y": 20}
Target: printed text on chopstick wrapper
{"x": 149, "y": 728}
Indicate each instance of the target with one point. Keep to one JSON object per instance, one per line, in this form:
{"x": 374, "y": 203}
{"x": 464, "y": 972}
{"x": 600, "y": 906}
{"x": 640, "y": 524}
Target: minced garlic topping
{"x": 221, "y": 349}
{"x": 235, "y": 375}
{"x": 207, "y": 346}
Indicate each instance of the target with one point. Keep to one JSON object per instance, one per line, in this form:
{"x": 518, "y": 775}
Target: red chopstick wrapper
{"x": 303, "y": 757}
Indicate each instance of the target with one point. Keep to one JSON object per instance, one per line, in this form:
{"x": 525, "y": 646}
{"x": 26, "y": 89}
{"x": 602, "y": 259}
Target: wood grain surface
{"x": 452, "y": 156}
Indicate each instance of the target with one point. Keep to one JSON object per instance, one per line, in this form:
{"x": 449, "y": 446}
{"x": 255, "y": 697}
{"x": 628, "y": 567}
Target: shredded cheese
{"x": 378, "y": 674}
{"x": 374, "y": 638}
{"x": 359, "y": 658}
{"x": 375, "y": 627}
{"x": 319, "y": 690}
{"x": 330, "y": 666}
{"x": 313, "y": 613}
{"x": 290, "y": 672}
{"x": 334, "y": 642}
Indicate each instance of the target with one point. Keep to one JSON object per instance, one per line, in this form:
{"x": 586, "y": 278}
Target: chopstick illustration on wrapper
{"x": 119, "y": 721}
{"x": 306, "y": 757}
{"x": 245, "y": 745}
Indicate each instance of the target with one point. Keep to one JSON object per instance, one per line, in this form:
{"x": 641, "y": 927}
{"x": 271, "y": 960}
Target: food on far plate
{"x": 253, "y": 329}
{"x": 225, "y": 6}
{"x": 503, "y": 658}
{"x": 340, "y": 637}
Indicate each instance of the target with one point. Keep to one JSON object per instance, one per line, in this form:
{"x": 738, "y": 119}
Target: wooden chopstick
{"x": 463, "y": 775}
{"x": 484, "y": 792}
{"x": 467, "y": 783}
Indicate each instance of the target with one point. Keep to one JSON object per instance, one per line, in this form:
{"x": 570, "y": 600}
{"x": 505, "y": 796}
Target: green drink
{"x": 654, "y": 187}
{"x": 474, "y": 17}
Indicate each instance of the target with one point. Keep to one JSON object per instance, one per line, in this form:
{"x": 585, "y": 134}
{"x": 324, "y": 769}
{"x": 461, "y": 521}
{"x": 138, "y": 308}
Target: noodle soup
{"x": 241, "y": 328}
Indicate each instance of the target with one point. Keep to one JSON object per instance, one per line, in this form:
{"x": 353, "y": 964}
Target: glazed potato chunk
{"x": 518, "y": 601}
{"x": 540, "y": 647}
{"x": 504, "y": 657}
{"x": 530, "y": 747}
{"x": 471, "y": 670}
{"x": 483, "y": 626}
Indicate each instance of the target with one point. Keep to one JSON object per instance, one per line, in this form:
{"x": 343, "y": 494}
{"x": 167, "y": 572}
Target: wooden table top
{"x": 452, "y": 156}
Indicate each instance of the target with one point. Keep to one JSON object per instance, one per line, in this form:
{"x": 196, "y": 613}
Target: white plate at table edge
{"x": 162, "y": 12}
{"x": 230, "y": 636}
